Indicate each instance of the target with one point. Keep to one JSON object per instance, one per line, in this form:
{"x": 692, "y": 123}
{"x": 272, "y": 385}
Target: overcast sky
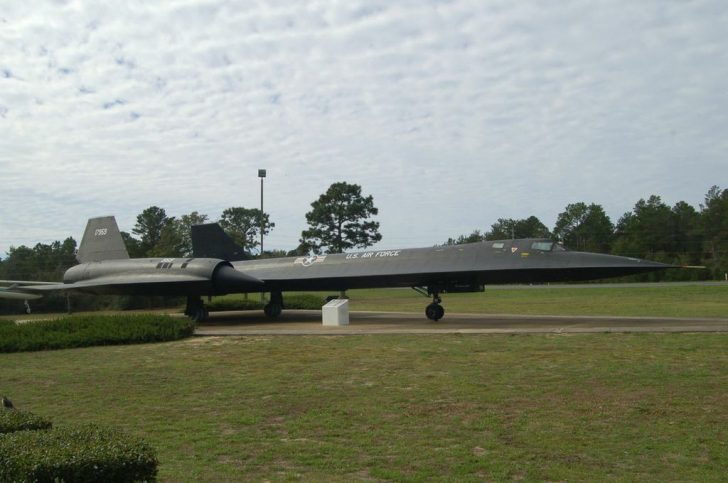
{"x": 450, "y": 113}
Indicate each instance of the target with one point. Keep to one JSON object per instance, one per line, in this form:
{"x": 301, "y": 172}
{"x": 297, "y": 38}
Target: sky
{"x": 451, "y": 114}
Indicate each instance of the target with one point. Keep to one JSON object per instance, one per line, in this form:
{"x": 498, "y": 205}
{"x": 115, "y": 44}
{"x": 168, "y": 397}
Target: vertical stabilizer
{"x": 211, "y": 241}
{"x": 101, "y": 241}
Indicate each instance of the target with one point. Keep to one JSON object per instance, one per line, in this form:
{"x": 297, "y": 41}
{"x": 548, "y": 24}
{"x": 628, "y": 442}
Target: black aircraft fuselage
{"x": 106, "y": 268}
{"x": 446, "y": 268}
{"x": 430, "y": 271}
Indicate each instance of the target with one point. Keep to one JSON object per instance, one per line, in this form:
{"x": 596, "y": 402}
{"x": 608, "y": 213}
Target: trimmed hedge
{"x": 93, "y": 330}
{"x": 54, "y": 303}
{"x": 304, "y": 302}
{"x": 12, "y": 420}
{"x": 229, "y": 303}
{"x": 292, "y": 302}
{"x": 86, "y": 453}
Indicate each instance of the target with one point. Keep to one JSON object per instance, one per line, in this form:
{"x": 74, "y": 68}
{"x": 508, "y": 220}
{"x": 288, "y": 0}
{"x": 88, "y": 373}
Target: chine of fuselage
{"x": 497, "y": 256}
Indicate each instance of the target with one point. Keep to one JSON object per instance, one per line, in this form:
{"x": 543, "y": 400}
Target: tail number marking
{"x": 101, "y": 231}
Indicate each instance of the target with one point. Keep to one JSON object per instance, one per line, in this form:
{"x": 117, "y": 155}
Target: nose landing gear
{"x": 434, "y": 311}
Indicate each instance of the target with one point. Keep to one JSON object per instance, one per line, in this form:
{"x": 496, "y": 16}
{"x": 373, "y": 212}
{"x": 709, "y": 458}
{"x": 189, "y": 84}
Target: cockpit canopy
{"x": 547, "y": 246}
{"x": 528, "y": 244}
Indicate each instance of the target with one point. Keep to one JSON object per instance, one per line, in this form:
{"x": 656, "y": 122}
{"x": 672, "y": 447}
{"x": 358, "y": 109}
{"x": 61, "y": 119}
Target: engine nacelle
{"x": 169, "y": 276}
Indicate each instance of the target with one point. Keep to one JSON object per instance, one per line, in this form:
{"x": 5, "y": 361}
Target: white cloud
{"x": 451, "y": 114}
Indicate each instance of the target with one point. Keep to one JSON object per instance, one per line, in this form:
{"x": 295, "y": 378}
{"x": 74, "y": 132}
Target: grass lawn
{"x": 647, "y": 300}
{"x": 459, "y": 408}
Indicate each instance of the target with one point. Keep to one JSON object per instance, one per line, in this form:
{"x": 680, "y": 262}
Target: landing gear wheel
{"x": 273, "y": 310}
{"x": 199, "y": 315}
{"x": 434, "y": 312}
{"x": 196, "y": 310}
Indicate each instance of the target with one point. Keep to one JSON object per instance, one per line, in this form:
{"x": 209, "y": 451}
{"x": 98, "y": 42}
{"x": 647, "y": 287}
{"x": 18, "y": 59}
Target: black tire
{"x": 434, "y": 312}
{"x": 199, "y": 314}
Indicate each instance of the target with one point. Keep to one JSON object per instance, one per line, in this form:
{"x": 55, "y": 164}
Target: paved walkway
{"x": 308, "y": 322}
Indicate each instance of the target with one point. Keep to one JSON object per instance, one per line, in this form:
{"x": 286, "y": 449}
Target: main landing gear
{"x": 434, "y": 311}
{"x": 275, "y": 306}
{"x": 196, "y": 309}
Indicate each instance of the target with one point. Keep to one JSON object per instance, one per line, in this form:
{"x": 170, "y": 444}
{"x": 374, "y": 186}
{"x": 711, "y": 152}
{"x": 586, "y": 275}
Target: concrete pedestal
{"x": 336, "y": 313}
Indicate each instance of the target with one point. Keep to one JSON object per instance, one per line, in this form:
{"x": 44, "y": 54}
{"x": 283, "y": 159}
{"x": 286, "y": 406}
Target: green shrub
{"x": 93, "y": 330}
{"x": 6, "y": 323}
{"x": 293, "y": 301}
{"x": 86, "y": 453}
{"x": 140, "y": 302}
{"x": 304, "y": 301}
{"x": 230, "y": 303}
{"x": 12, "y": 420}
{"x": 57, "y": 303}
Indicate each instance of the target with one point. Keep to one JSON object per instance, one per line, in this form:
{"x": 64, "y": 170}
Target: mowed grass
{"x": 644, "y": 300}
{"x": 595, "y": 407}
{"x": 647, "y": 300}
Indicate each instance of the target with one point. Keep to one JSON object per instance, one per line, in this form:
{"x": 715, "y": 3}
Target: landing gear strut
{"x": 434, "y": 311}
{"x": 196, "y": 309}
{"x": 275, "y": 306}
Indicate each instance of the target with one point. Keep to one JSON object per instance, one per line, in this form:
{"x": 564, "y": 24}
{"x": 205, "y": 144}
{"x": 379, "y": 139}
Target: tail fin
{"x": 211, "y": 241}
{"x": 101, "y": 241}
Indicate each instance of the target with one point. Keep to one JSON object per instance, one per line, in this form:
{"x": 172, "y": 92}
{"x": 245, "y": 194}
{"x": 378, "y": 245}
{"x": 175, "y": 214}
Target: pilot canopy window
{"x": 542, "y": 246}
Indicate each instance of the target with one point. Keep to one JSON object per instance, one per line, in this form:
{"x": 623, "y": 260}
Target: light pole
{"x": 261, "y": 175}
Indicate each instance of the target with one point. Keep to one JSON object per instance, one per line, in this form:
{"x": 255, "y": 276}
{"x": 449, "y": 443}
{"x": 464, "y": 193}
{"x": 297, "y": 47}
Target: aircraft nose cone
{"x": 605, "y": 266}
{"x": 627, "y": 262}
{"x": 227, "y": 280}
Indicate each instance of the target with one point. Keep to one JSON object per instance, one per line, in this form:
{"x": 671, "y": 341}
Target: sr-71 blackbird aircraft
{"x": 216, "y": 269}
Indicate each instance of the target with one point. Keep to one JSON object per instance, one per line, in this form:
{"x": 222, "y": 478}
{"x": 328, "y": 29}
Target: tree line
{"x": 680, "y": 235}
{"x": 341, "y": 219}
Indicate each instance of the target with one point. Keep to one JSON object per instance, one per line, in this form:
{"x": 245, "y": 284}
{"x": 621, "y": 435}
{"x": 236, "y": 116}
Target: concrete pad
{"x": 308, "y": 322}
